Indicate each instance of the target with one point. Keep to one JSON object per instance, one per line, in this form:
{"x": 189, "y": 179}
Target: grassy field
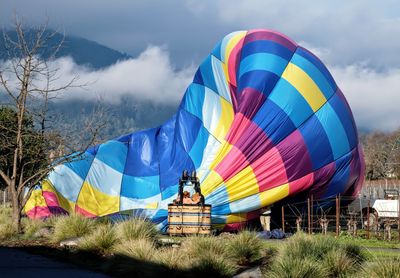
{"x": 134, "y": 247}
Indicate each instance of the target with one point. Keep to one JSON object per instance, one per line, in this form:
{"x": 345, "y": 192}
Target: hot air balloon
{"x": 262, "y": 121}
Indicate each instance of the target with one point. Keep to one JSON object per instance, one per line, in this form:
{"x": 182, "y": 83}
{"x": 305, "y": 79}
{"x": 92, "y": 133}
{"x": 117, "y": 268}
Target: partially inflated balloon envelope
{"x": 263, "y": 120}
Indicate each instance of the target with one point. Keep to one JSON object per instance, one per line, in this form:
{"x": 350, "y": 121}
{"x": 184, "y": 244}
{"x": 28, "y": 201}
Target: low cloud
{"x": 150, "y": 76}
{"x": 373, "y": 96}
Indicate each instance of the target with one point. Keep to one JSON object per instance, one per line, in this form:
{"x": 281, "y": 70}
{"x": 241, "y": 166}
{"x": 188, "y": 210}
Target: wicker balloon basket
{"x": 189, "y": 219}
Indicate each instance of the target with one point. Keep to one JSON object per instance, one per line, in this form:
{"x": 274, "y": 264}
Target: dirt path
{"x": 18, "y": 263}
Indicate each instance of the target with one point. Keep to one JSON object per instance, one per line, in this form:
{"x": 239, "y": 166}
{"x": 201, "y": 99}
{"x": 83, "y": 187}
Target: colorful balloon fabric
{"x": 263, "y": 120}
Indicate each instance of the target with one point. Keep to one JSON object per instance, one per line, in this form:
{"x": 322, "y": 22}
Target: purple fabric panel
{"x": 322, "y": 177}
{"x": 253, "y": 142}
{"x": 272, "y": 36}
{"x": 250, "y": 101}
{"x": 295, "y": 155}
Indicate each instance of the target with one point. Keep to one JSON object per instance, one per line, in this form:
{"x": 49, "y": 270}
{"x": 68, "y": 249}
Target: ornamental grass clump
{"x": 139, "y": 249}
{"x": 103, "y": 240}
{"x": 245, "y": 247}
{"x": 31, "y": 227}
{"x": 7, "y": 231}
{"x": 209, "y": 256}
{"x": 296, "y": 268}
{"x": 136, "y": 228}
{"x": 72, "y": 226}
{"x": 382, "y": 268}
{"x": 322, "y": 254}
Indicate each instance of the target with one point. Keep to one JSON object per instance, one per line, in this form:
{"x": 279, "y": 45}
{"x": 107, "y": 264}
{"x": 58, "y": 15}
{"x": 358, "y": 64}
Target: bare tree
{"x": 30, "y": 84}
{"x": 382, "y": 155}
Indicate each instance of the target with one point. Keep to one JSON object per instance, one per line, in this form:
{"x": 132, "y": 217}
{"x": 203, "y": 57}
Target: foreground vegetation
{"x": 134, "y": 247}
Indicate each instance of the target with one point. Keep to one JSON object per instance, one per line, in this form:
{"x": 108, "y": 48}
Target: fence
{"x": 354, "y": 216}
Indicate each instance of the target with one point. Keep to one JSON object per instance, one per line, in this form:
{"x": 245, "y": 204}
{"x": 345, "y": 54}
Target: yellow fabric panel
{"x": 236, "y": 218}
{"x": 305, "y": 85}
{"x": 225, "y": 68}
{"x": 231, "y": 44}
{"x": 273, "y": 195}
{"x": 152, "y": 205}
{"x": 225, "y": 120}
{"x": 64, "y": 203}
{"x": 35, "y": 200}
{"x": 242, "y": 185}
{"x": 222, "y": 152}
{"x": 212, "y": 181}
{"x": 96, "y": 202}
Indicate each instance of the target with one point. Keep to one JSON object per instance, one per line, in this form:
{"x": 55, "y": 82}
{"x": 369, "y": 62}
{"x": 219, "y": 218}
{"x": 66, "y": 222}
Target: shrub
{"x": 245, "y": 247}
{"x": 382, "y": 268}
{"x": 136, "y": 228}
{"x": 213, "y": 265}
{"x": 31, "y": 226}
{"x": 5, "y": 214}
{"x": 336, "y": 259}
{"x": 199, "y": 246}
{"x": 66, "y": 227}
{"x": 338, "y": 264}
{"x": 301, "y": 267}
{"x": 355, "y": 252}
{"x": 102, "y": 239}
{"x": 172, "y": 258}
{"x": 140, "y": 249}
{"x": 7, "y": 231}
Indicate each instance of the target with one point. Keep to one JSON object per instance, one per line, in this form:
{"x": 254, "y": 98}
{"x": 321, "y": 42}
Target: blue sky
{"x": 358, "y": 40}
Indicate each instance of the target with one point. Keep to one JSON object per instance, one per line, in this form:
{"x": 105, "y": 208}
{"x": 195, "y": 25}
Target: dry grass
{"x": 245, "y": 247}
{"x": 382, "y": 268}
{"x": 101, "y": 240}
{"x": 71, "y": 226}
{"x": 31, "y": 227}
{"x": 136, "y": 228}
{"x": 140, "y": 249}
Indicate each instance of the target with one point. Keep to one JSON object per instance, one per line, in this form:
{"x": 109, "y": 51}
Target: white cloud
{"x": 373, "y": 96}
{"x": 150, "y": 76}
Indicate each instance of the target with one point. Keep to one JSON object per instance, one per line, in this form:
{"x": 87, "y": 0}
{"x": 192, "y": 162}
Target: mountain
{"x": 83, "y": 51}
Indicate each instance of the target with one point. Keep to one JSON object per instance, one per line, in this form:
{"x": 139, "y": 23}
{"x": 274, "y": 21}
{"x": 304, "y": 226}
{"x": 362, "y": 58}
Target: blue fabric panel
{"x": 81, "y": 166}
{"x": 339, "y": 181}
{"x": 291, "y": 101}
{"x": 142, "y": 157}
{"x": 178, "y": 160}
{"x": 345, "y": 118}
{"x": 124, "y": 138}
{"x": 263, "y": 61}
{"x": 317, "y": 76}
{"x": 173, "y": 158}
{"x": 140, "y": 187}
{"x": 217, "y": 51}
{"x": 117, "y": 159}
{"x": 198, "y": 78}
{"x": 93, "y": 150}
{"x": 334, "y": 130}
{"x": 197, "y": 150}
{"x": 187, "y": 129}
{"x": 218, "y": 197}
{"x": 170, "y": 191}
{"x": 318, "y": 64}
{"x": 260, "y": 80}
{"x": 208, "y": 75}
{"x": 66, "y": 182}
{"x": 194, "y": 100}
{"x": 263, "y": 46}
{"x": 222, "y": 209}
{"x": 313, "y": 132}
{"x": 274, "y": 121}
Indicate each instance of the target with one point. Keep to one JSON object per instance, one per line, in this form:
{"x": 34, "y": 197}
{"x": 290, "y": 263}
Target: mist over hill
{"x": 84, "y": 52}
